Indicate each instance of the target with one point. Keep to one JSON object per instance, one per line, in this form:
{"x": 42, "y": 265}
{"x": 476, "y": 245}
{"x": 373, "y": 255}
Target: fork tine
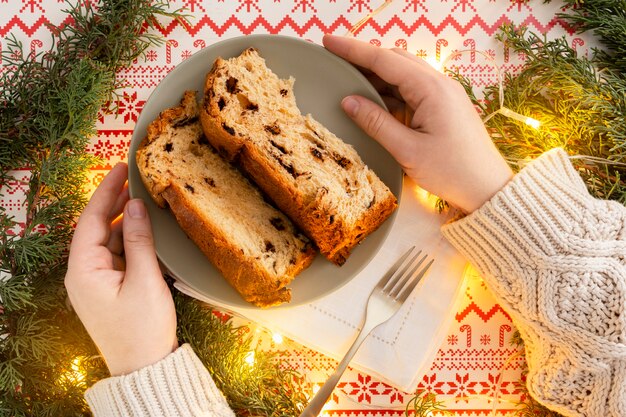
{"x": 414, "y": 280}
{"x": 397, "y": 270}
{"x": 406, "y": 275}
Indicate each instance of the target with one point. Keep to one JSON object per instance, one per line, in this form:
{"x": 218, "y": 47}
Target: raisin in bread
{"x": 250, "y": 115}
{"x": 255, "y": 246}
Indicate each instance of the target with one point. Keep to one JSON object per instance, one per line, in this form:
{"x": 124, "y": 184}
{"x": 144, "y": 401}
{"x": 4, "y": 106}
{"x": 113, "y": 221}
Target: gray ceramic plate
{"x": 322, "y": 80}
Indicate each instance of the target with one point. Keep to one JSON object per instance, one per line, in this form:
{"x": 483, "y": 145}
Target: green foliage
{"x": 263, "y": 389}
{"x": 49, "y": 104}
{"x": 48, "y": 107}
{"x": 425, "y": 404}
{"x": 581, "y": 108}
{"x": 607, "y": 20}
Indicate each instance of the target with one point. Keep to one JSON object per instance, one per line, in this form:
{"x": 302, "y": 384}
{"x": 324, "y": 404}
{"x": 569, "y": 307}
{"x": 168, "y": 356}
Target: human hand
{"x": 114, "y": 282}
{"x": 444, "y": 145}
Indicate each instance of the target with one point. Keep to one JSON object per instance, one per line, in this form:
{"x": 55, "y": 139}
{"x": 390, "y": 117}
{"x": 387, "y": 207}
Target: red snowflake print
{"x": 485, "y": 339}
{"x": 430, "y": 384}
{"x": 415, "y": 4}
{"x": 106, "y": 150}
{"x": 364, "y": 388}
{"x": 453, "y": 339}
{"x": 464, "y": 5}
{"x": 393, "y": 394}
{"x": 462, "y": 388}
{"x": 129, "y": 107}
{"x": 494, "y": 385}
{"x": 32, "y": 4}
{"x": 104, "y": 111}
{"x": 421, "y": 53}
{"x": 249, "y": 5}
{"x": 361, "y": 6}
{"x": 519, "y": 4}
{"x": 304, "y": 4}
{"x": 192, "y": 4}
{"x": 455, "y": 54}
{"x": 185, "y": 54}
{"x": 223, "y": 317}
{"x": 151, "y": 56}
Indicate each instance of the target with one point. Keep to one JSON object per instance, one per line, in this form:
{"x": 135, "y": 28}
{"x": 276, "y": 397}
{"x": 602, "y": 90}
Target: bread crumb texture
{"x": 255, "y": 246}
{"x": 250, "y": 115}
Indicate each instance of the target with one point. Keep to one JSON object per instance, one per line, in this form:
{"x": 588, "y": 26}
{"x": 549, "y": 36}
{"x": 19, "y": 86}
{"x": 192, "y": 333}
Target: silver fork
{"x": 384, "y": 301}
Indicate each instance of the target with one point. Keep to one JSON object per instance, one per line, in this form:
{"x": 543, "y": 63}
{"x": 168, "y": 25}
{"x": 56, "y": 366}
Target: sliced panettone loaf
{"x": 255, "y": 246}
{"x": 250, "y": 115}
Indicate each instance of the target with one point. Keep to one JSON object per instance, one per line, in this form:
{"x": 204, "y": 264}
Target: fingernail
{"x": 136, "y": 209}
{"x": 351, "y": 106}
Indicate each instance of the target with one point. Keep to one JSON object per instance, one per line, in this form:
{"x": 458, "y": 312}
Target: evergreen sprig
{"x": 607, "y": 20}
{"x": 49, "y": 105}
{"x": 581, "y": 109}
{"x": 425, "y": 404}
{"x": 264, "y": 388}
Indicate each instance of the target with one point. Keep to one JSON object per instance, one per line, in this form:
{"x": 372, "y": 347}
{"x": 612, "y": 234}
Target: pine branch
{"x": 425, "y": 404}
{"x": 580, "y": 109}
{"x": 607, "y": 20}
{"x": 262, "y": 389}
{"x": 50, "y": 103}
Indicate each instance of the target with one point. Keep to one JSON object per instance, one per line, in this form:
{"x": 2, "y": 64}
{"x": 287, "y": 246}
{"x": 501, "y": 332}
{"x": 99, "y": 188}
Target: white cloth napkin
{"x": 402, "y": 350}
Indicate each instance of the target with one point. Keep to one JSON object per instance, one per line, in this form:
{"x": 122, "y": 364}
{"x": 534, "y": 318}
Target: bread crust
{"x": 187, "y": 110}
{"x": 334, "y": 239}
{"x": 253, "y": 283}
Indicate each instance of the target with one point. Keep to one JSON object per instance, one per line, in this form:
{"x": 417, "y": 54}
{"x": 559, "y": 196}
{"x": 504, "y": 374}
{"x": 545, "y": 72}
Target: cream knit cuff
{"x": 178, "y": 385}
{"x": 529, "y": 221}
{"x": 554, "y": 256}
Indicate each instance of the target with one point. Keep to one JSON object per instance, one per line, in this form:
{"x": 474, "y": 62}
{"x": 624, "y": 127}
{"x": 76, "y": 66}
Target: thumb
{"x": 380, "y": 125}
{"x": 139, "y": 250}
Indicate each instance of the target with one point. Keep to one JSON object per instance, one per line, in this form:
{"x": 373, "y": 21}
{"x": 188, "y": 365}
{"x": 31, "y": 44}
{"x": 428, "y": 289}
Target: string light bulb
{"x": 74, "y": 374}
{"x": 505, "y": 111}
{"x": 277, "y": 338}
{"x": 250, "y": 358}
{"x": 513, "y": 115}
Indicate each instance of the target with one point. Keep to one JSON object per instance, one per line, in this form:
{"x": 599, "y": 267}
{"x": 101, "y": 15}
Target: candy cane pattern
{"x": 199, "y": 43}
{"x": 34, "y": 44}
{"x": 375, "y": 42}
{"x": 471, "y": 43}
{"x": 577, "y": 42}
{"x": 401, "y": 43}
{"x": 168, "y": 50}
{"x": 438, "y": 48}
{"x": 503, "y": 328}
{"x": 467, "y": 328}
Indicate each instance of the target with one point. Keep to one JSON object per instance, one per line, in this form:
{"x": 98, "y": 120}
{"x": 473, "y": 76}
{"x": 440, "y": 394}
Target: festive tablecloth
{"x": 477, "y": 361}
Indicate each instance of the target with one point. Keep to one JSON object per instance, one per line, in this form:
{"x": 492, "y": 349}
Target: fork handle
{"x": 317, "y": 403}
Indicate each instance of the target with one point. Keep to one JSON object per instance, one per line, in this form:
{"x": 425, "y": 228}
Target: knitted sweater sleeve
{"x": 555, "y": 258}
{"x": 178, "y": 385}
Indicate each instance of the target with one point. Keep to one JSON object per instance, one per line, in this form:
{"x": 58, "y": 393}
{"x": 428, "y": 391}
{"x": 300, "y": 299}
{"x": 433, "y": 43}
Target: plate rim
{"x": 136, "y": 137}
